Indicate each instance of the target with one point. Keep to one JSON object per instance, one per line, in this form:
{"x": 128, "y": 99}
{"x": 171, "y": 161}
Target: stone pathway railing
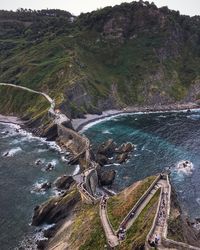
{"x": 90, "y": 198}
{"x": 160, "y": 224}
{"x": 138, "y": 204}
{"x": 58, "y": 118}
{"x": 112, "y": 239}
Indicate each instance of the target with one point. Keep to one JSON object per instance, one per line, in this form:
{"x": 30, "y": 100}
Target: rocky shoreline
{"x": 79, "y": 124}
{"x": 48, "y": 211}
{"x": 11, "y": 119}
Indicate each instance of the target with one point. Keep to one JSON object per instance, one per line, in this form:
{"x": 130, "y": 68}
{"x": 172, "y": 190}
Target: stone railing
{"x": 177, "y": 245}
{"x": 89, "y": 197}
{"x": 113, "y": 231}
{"x": 165, "y": 242}
{"x": 108, "y": 222}
{"x": 139, "y": 202}
{"x": 154, "y": 221}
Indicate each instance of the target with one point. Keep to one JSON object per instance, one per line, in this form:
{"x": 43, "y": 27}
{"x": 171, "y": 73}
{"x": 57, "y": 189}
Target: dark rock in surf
{"x": 107, "y": 177}
{"x": 121, "y": 158}
{"x": 64, "y": 182}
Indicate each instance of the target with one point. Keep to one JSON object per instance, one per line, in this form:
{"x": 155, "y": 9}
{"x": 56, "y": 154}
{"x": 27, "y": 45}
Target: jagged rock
{"x": 41, "y": 244}
{"x": 49, "y": 167}
{"x": 55, "y": 209}
{"x": 38, "y": 162}
{"x": 43, "y": 187}
{"x": 50, "y": 231}
{"x": 107, "y": 177}
{"x": 125, "y": 148}
{"x": 107, "y": 148}
{"x": 102, "y": 159}
{"x": 46, "y": 185}
{"x": 73, "y": 161}
{"x": 121, "y": 158}
{"x": 64, "y": 182}
{"x": 51, "y": 132}
{"x": 6, "y": 154}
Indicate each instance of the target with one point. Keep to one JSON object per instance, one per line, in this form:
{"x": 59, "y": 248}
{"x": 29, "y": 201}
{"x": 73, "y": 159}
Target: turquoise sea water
{"x": 18, "y": 176}
{"x": 162, "y": 140}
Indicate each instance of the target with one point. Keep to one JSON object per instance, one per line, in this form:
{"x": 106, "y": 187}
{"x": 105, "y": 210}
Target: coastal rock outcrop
{"x": 51, "y": 132}
{"x": 125, "y": 148}
{"x": 56, "y": 209}
{"x": 107, "y": 177}
{"x": 107, "y": 148}
{"x": 121, "y": 158}
{"x": 102, "y": 159}
{"x": 109, "y": 153}
{"x": 64, "y": 182}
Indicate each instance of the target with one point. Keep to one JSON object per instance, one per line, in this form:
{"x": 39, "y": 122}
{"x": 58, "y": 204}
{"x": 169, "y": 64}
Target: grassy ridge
{"x": 87, "y": 232}
{"x": 136, "y": 235}
{"x": 17, "y": 101}
{"x": 120, "y": 205}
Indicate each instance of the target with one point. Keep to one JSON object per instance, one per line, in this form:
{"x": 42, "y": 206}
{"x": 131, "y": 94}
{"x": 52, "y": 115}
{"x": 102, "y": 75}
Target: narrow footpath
{"x": 110, "y": 235}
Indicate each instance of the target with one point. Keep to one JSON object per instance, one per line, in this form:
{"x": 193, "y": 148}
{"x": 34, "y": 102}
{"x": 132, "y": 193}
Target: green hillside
{"x": 129, "y": 54}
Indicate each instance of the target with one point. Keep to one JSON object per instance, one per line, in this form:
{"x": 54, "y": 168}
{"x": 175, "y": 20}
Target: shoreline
{"x": 80, "y": 123}
{"x": 11, "y": 119}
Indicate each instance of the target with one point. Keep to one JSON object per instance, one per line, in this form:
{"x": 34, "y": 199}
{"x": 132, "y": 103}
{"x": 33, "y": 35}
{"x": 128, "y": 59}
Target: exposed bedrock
{"x": 64, "y": 182}
{"x": 107, "y": 148}
{"x": 109, "y": 153}
{"x": 106, "y": 178}
{"x": 56, "y": 209}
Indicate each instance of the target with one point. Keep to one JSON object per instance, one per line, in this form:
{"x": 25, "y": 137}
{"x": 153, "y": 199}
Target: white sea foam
{"x": 195, "y": 117}
{"x": 114, "y": 116}
{"x": 30, "y": 242}
{"x": 63, "y": 158}
{"x": 12, "y": 152}
{"x": 116, "y": 164}
{"x": 184, "y": 168}
{"x": 37, "y": 187}
{"x": 76, "y": 171}
{"x": 106, "y": 132}
{"x": 53, "y": 162}
{"x": 198, "y": 201}
{"x": 136, "y": 155}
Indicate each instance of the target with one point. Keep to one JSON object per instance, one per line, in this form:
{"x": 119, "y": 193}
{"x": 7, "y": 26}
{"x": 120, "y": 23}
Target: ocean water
{"x": 18, "y": 178}
{"x": 162, "y": 140}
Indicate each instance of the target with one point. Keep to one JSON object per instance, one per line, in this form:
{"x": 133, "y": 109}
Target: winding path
{"x": 160, "y": 224}
{"x": 110, "y": 234}
{"x": 138, "y": 209}
{"x": 59, "y": 118}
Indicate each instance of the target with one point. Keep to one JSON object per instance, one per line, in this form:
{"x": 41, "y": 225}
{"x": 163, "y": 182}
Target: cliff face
{"x": 131, "y": 54}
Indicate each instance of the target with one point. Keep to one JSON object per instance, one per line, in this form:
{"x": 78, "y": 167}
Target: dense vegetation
{"x": 134, "y": 53}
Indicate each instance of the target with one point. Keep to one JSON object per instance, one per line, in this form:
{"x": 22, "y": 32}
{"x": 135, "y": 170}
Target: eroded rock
{"x": 121, "y": 158}
{"x": 107, "y": 148}
{"x": 125, "y": 148}
{"x": 56, "y": 208}
{"x": 107, "y": 177}
{"x": 64, "y": 182}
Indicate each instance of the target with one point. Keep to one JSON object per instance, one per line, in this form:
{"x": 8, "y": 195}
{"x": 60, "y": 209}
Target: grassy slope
{"x": 87, "y": 232}
{"x": 82, "y": 55}
{"x": 121, "y": 204}
{"x": 136, "y": 235}
{"x": 28, "y": 105}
